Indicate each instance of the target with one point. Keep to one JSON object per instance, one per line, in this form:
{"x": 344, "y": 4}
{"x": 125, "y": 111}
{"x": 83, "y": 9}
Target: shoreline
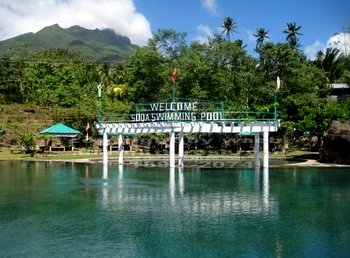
{"x": 129, "y": 160}
{"x": 315, "y": 163}
{"x": 296, "y": 159}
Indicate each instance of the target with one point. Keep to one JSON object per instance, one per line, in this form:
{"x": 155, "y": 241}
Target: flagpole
{"x": 87, "y": 134}
{"x": 99, "y": 95}
{"x": 278, "y": 85}
{"x": 174, "y": 92}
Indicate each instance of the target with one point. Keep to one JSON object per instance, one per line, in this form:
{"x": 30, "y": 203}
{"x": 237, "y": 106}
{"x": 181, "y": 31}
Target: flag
{"x": 87, "y": 131}
{"x": 278, "y": 82}
{"x": 87, "y": 127}
{"x": 173, "y": 76}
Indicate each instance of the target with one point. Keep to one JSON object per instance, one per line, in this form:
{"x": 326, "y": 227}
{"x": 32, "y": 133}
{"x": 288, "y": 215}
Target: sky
{"x": 320, "y": 20}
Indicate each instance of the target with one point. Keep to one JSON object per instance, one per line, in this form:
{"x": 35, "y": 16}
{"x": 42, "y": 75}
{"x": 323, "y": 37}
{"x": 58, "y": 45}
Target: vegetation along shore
{"x": 39, "y": 88}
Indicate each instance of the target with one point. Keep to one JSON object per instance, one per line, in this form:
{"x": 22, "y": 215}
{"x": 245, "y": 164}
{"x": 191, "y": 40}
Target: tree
{"x": 303, "y": 85}
{"x": 277, "y": 59}
{"x": 229, "y": 27}
{"x": 317, "y": 119}
{"x": 292, "y": 32}
{"x": 319, "y": 57}
{"x": 345, "y": 68}
{"x": 11, "y": 80}
{"x": 330, "y": 62}
{"x": 29, "y": 143}
{"x": 261, "y": 35}
{"x": 147, "y": 75}
{"x": 168, "y": 42}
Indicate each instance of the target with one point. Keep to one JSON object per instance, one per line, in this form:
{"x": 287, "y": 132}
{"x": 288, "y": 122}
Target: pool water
{"x": 57, "y": 209}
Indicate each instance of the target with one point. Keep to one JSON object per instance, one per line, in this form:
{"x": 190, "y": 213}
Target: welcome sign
{"x": 178, "y": 111}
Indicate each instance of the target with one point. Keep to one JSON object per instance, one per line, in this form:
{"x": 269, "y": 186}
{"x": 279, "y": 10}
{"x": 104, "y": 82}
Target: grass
{"x": 5, "y": 154}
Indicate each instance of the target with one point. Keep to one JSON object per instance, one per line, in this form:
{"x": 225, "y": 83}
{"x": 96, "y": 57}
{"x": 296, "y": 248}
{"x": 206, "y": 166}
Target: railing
{"x": 220, "y": 117}
{"x": 187, "y": 110}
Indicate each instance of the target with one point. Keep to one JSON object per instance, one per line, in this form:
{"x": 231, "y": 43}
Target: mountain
{"x": 95, "y": 45}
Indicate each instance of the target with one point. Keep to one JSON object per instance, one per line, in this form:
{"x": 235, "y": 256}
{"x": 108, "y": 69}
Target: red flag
{"x": 173, "y": 76}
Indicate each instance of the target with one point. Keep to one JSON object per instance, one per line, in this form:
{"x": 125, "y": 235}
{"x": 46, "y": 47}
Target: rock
{"x": 336, "y": 144}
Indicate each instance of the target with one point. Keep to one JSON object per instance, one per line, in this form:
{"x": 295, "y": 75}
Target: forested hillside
{"x": 93, "y": 45}
{"x": 65, "y": 85}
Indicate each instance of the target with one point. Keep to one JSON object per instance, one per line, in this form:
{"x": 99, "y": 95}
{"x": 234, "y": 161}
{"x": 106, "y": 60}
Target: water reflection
{"x": 105, "y": 171}
{"x": 212, "y": 202}
{"x": 79, "y": 210}
{"x": 121, "y": 171}
{"x": 181, "y": 180}
{"x": 266, "y": 188}
{"x": 172, "y": 184}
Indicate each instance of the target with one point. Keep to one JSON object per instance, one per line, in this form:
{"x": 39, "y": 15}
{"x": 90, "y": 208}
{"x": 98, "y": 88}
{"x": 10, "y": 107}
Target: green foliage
{"x": 168, "y": 42}
{"x": 261, "y": 35}
{"x": 146, "y": 74}
{"x": 214, "y": 70}
{"x": 292, "y": 32}
{"x": 345, "y": 69}
{"x": 229, "y": 27}
{"x": 318, "y": 118}
{"x": 29, "y": 143}
{"x": 11, "y": 80}
{"x": 331, "y": 63}
{"x": 95, "y": 45}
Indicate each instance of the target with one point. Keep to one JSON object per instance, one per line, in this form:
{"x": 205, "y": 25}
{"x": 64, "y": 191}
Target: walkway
{"x": 174, "y": 128}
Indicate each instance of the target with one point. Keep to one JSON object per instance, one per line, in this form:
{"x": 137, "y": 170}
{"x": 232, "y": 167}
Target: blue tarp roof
{"x": 60, "y": 130}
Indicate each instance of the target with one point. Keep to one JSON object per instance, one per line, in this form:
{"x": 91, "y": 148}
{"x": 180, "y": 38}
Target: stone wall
{"x": 336, "y": 144}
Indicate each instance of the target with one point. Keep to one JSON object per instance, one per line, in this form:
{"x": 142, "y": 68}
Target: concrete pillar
{"x": 120, "y": 149}
{"x": 266, "y": 148}
{"x": 181, "y": 149}
{"x": 105, "y": 148}
{"x": 172, "y": 149}
{"x": 257, "y": 150}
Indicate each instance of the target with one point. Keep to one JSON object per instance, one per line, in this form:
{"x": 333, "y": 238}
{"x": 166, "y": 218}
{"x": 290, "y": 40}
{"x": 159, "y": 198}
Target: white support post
{"x": 181, "y": 149}
{"x": 172, "y": 150}
{"x": 105, "y": 148}
{"x": 257, "y": 149}
{"x": 266, "y": 148}
{"x": 120, "y": 149}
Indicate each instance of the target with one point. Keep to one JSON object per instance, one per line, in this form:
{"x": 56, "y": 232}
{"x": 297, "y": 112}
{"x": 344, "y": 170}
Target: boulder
{"x": 336, "y": 144}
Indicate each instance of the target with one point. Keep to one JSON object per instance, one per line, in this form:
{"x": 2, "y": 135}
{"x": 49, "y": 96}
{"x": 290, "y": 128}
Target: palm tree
{"x": 261, "y": 35}
{"x": 229, "y": 26}
{"x": 292, "y": 32}
{"x": 331, "y": 63}
{"x": 319, "y": 58}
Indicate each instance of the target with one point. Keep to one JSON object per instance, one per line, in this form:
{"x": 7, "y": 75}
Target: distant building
{"x": 340, "y": 91}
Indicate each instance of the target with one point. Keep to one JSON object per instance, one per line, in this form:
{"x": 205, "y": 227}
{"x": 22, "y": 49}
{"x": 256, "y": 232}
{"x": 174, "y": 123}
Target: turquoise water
{"x": 87, "y": 210}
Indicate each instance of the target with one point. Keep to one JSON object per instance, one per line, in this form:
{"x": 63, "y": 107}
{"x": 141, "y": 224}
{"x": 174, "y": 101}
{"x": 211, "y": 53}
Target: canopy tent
{"x": 61, "y": 130}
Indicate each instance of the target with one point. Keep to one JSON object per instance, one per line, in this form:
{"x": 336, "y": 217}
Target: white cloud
{"x": 18, "y": 17}
{"x": 251, "y": 37}
{"x": 311, "y": 50}
{"x": 340, "y": 41}
{"x": 203, "y": 33}
{"x": 211, "y": 6}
